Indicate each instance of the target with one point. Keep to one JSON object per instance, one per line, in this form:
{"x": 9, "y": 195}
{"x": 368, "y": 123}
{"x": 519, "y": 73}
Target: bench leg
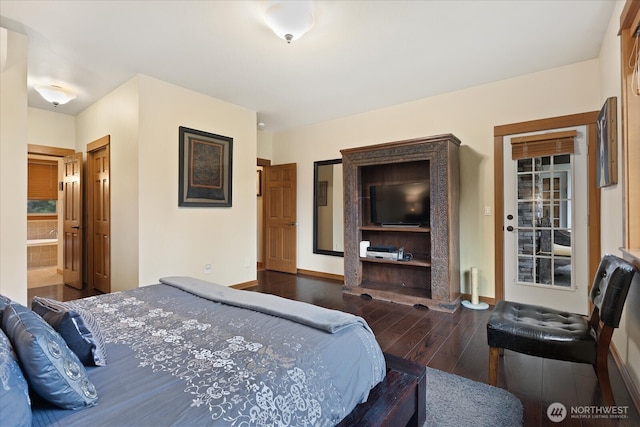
{"x": 494, "y": 354}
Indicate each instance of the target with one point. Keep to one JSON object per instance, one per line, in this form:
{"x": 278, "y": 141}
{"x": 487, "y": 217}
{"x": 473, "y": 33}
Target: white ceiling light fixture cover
{"x": 289, "y": 19}
{"x": 55, "y": 94}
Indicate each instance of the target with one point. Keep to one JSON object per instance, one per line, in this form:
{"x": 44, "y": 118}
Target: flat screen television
{"x": 400, "y": 204}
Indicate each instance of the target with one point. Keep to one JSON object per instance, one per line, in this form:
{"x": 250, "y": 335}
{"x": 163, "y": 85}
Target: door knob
{"x": 509, "y": 228}
{"x": 292, "y": 223}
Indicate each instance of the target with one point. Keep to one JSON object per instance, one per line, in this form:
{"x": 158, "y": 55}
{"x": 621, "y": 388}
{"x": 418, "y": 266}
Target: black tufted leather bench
{"x": 553, "y": 334}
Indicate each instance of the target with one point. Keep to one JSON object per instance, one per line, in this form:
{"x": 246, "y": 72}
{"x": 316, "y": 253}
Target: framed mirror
{"x": 328, "y": 212}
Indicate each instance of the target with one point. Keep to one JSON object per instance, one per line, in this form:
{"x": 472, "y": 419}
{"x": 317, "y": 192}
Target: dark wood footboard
{"x": 399, "y": 400}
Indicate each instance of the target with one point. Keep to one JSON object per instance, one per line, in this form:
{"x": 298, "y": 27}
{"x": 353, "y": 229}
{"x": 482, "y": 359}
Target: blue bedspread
{"x": 176, "y": 358}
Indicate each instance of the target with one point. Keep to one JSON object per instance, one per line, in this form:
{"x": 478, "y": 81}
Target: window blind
{"x": 42, "y": 180}
{"x": 546, "y": 144}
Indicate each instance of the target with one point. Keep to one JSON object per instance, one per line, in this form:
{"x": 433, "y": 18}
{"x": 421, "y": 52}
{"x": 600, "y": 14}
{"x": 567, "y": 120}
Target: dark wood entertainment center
{"x": 432, "y": 276}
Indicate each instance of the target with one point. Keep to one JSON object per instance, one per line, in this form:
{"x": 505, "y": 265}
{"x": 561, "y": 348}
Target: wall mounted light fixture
{"x": 55, "y": 94}
{"x": 289, "y": 19}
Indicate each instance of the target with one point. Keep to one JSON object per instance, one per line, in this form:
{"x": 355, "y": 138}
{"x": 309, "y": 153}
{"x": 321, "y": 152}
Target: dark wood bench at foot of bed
{"x": 399, "y": 400}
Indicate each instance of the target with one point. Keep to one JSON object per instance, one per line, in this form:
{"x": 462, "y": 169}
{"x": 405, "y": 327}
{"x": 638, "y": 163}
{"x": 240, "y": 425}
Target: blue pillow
{"x": 15, "y": 405}
{"x": 4, "y": 301}
{"x": 77, "y": 326}
{"x": 51, "y": 368}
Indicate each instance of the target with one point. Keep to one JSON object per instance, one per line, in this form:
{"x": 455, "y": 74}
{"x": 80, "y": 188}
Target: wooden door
{"x": 72, "y": 221}
{"x": 280, "y": 218}
{"x": 99, "y": 215}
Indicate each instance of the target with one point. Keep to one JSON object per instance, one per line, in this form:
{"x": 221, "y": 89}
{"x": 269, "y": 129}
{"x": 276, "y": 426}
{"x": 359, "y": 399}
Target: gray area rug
{"x": 456, "y": 401}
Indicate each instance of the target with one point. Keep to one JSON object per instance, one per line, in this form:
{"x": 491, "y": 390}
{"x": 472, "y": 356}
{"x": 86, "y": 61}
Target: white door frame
{"x": 588, "y": 119}
{"x": 573, "y": 299}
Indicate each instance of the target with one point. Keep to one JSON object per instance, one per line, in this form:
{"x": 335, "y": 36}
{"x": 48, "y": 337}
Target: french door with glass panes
{"x": 545, "y": 234}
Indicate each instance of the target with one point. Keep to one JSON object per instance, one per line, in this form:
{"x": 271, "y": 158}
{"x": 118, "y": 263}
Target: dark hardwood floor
{"x": 59, "y": 292}
{"x": 454, "y": 343}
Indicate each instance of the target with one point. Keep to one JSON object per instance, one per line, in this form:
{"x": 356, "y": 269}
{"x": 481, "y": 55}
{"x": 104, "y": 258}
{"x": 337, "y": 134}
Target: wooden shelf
{"x": 413, "y": 262}
{"x": 397, "y": 229}
{"x": 432, "y": 277}
{"x": 402, "y": 295}
{"x": 402, "y": 290}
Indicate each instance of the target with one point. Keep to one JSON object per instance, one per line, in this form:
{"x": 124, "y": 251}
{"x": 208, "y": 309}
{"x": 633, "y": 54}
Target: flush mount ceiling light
{"x": 289, "y": 19}
{"x": 55, "y": 94}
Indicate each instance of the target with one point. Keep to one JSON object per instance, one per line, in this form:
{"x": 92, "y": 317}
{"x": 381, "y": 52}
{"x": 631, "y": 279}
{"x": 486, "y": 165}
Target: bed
{"x": 189, "y": 352}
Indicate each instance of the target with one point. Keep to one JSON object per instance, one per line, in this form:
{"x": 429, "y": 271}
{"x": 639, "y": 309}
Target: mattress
{"x": 177, "y": 354}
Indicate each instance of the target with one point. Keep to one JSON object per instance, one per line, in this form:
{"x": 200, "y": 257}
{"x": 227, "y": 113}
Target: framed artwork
{"x": 607, "y": 144}
{"x": 322, "y": 193}
{"x": 205, "y": 169}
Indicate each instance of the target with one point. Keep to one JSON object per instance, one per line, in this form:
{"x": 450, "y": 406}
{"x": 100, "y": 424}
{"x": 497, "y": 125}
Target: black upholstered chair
{"x": 552, "y": 334}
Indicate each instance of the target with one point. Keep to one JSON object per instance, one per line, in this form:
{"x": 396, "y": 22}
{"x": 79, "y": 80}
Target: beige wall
{"x": 265, "y": 145}
{"x": 627, "y": 338}
{"x": 151, "y": 236}
{"x": 51, "y": 129}
{"x": 13, "y": 170}
{"x": 179, "y": 240}
{"x": 264, "y": 151}
{"x": 611, "y": 197}
{"x": 117, "y": 115}
{"x": 469, "y": 114}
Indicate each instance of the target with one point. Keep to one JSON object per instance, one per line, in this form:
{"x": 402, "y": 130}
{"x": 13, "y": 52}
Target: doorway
{"x": 547, "y": 213}
{"x": 45, "y": 204}
{"x": 99, "y": 215}
{"x": 73, "y": 231}
{"x": 545, "y": 241}
{"x": 71, "y": 214}
{"x": 261, "y": 165}
{"x": 280, "y": 218}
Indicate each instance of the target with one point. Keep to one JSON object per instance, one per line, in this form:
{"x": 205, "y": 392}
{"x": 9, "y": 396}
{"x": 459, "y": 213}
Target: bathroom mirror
{"x": 328, "y": 222}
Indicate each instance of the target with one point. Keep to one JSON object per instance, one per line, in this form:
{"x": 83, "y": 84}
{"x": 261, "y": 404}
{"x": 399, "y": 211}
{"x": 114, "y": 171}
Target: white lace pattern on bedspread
{"x": 242, "y": 372}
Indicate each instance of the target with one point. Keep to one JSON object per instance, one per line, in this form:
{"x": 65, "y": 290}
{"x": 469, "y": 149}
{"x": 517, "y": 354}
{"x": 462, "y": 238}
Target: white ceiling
{"x": 359, "y": 56}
